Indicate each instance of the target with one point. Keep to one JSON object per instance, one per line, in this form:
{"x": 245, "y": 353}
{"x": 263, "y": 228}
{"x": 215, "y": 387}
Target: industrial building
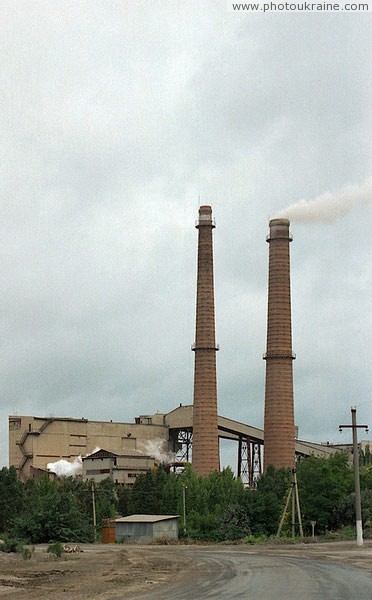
{"x": 36, "y": 441}
{"x": 121, "y": 467}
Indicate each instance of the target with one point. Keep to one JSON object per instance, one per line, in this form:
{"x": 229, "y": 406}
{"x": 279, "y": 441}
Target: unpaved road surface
{"x": 334, "y": 571}
{"x": 227, "y": 574}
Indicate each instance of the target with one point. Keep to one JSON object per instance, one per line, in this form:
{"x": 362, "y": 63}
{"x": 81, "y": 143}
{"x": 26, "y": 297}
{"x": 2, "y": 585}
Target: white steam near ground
{"x": 330, "y": 206}
{"x": 65, "y": 468}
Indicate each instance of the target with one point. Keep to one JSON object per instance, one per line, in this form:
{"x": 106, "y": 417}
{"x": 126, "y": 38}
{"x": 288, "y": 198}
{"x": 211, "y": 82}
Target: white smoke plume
{"x": 64, "y": 468}
{"x": 158, "y": 449}
{"x": 330, "y": 206}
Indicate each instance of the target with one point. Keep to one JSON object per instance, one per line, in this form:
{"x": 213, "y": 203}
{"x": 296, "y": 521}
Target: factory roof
{"x": 109, "y": 454}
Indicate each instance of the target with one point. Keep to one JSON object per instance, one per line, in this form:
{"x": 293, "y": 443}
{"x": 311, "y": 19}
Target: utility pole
{"x": 358, "y": 504}
{"x": 184, "y": 488}
{"x": 94, "y": 511}
{"x": 292, "y": 493}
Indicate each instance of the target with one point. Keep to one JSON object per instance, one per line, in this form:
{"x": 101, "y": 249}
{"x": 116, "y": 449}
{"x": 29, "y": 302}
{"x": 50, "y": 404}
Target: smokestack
{"x": 205, "y": 450}
{"x": 279, "y": 431}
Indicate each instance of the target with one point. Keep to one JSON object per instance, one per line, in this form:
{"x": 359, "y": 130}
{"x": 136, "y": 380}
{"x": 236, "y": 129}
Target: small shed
{"x": 108, "y": 531}
{"x": 145, "y": 528}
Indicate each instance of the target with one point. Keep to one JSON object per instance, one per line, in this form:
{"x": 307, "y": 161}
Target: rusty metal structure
{"x": 249, "y": 452}
{"x": 279, "y": 428}
{"x": 205, "y": 455}
{"x": 249, "y": 461}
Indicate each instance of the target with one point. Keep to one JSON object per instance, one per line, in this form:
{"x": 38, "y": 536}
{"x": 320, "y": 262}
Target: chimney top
{"x": 205, "y": 216}
{"x": 279, "y": 229}
{"x": 279, "y": 221}
{"x": 205, "y": 210}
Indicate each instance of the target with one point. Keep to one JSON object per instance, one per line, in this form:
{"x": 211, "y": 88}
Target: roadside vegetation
{"x": 218, "y": 508}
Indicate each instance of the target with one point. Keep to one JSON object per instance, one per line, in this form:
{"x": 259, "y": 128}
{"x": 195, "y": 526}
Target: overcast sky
{"x": 118, "y": 119}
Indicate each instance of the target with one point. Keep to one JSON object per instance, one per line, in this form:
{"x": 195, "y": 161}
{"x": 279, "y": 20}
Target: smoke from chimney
{"x": 330, "y": 206}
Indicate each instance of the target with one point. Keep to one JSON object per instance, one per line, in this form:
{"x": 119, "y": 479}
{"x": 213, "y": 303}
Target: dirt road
{"x": 113, "y": 572}
{"x": 233, "y": 573}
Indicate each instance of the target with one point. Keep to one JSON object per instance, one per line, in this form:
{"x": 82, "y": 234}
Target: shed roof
{"x": 145, "y": 518}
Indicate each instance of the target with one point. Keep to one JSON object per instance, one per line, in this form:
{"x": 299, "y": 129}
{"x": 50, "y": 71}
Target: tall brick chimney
{"x": 205, "y": 450}
{"x": 279, "y": 430}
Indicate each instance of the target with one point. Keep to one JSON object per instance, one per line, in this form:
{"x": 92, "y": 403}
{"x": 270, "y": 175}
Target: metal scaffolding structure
{"x": 249, "y": 467}
{"x": 249, "y": 457}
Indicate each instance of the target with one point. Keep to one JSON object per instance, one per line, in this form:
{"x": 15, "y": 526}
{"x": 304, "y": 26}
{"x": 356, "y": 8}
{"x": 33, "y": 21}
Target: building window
{"x": 98, "y": 471}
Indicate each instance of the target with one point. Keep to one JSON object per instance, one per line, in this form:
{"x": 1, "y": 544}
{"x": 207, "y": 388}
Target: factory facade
{"x": 34, "y": 442}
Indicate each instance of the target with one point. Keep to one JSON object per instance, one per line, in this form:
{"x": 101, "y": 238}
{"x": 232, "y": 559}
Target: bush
{"x": 56, "y": 549}
{"x": 255, "y": 539}
{"x": 26, "y": 553}
{"x": 13, "y": 545}
{"x": 234, "y": 524}
{"x": 10, "y": 545}
{"x": 347, "y": 532}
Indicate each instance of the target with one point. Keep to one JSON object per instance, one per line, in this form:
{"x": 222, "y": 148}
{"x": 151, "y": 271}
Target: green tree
{"x": 172, "y": 502}
{"x": 106, "y": 500}
{"x": 223, "y": 489}
{"x": 52, "y": 514}
{"x": 160, "y": 479}
{"x": 345, "y": 509}
{"x": 199, "y": 521}
{"x": 123, "y": 494}
{"x": 322, "y": 484}
{"x": 365, "y": 457}
{"x": 144, "y": 497}
{"x": 234, "y": 523}
{"x": 11, "y": 497}
{"x": 264, "y": 505}
{"x": 196, "y": 494}
{"x": 366, "y": 477}
{"x": 208, "y": 500}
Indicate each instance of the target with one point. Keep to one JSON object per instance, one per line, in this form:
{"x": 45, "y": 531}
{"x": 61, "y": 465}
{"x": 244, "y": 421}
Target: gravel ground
{"x": 109, "y": 572}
